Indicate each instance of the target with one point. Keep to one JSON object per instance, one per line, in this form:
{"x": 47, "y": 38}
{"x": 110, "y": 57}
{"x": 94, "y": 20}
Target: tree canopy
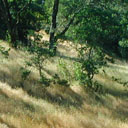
{"x": 102, "y": 23}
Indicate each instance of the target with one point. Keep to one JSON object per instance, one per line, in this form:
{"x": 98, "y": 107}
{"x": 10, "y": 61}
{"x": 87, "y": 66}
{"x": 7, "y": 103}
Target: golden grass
{"x": 19, "y": 110}
{"x": 57, "y": 106}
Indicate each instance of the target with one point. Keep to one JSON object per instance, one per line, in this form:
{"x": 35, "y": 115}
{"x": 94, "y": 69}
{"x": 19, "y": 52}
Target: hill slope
{"x": 58, "y": 106}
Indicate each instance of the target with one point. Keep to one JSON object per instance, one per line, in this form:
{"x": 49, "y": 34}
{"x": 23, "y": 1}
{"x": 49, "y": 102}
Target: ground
{"x": 58, "y": 106}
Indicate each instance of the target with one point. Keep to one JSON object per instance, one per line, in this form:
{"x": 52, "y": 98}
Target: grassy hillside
{"x": 57, "y": 106}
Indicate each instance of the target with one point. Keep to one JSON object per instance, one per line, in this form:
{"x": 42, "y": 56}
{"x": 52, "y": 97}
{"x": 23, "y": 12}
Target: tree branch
{"x": 21, "y": 10}
{"x": 66, "y": 28}
{"x": 24, "y": 7}
{"x": 69, "y": 24}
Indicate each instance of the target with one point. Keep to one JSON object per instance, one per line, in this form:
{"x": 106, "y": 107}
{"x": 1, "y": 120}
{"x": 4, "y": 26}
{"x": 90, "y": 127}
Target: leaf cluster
{"x": 91, "y": 60}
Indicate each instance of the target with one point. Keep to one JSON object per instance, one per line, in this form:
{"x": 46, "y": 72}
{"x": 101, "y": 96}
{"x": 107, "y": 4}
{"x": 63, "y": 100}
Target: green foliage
{"x": 57, "y": 80}
{"x": 101, "y": 23}
{"x": 3, "y": 28}
{"x": 39, "y": 54}
{"x": 123, "y": 43}
{"x": 63, "y": 82}
{"x": 4, "y": 51}
{"x": 123, "y": 47}
{"x": 64, "y": 70}
{"x": 91, "y": 59}
{"x": 43, "y": 80}
{"x": 23, "y": 15}
{"x": 24, "y": 73}
{"x": 79, "y": 75}
{"x": 98, "y": 27}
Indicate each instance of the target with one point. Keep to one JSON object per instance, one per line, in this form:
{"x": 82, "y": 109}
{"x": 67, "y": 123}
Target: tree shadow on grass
{"x": 116, "y": 101}
{"x": 19, "y": 102}
{"x": 122, "y": 111}
{"x": 36, "y": 89}
{"x": 14, "y": 79}
{"x": 68, "y": 58}
{"x": 13, "y": 106}
{"x": 65, "y": 97}
{"x": 59, "y": 54}
{"x": 122, "y": 94}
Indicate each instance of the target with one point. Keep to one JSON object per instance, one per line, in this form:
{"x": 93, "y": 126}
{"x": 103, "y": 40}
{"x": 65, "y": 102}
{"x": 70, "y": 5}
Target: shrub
{"x": 24, "y": 73}
{"x": 43, "y": 80}
{"x": 91, "y": 59}
{"x": 63, "y": 82}
{"x": 64, "y": 70}
{"x": 39, "y": 54}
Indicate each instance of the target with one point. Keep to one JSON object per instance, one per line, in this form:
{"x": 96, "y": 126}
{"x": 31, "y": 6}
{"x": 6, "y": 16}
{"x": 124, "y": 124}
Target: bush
{"x": 39, "y": 54}
{"x": 91, "y": 59}
{"x": 79, "y": 75}
{"x": 24, "y": 73}
{"x": 63, "y": 82}
{"x": 43, "y": 80}
{"x": 64, "y": 70}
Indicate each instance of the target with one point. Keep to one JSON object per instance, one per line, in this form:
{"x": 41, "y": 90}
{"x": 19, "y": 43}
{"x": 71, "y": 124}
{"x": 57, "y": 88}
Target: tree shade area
{"x": 68, "y": 56}
{"x": 102, "y": 23}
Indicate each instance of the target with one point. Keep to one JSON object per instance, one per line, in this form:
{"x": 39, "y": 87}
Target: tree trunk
{"x": 53, "y": 39}
{"x": 15, "y": 32}
{"x": 11, "y": 28}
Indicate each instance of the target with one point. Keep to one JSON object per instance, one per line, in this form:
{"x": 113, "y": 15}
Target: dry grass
{"x": 19, "y": 110}
{"x": 58, "y": 106}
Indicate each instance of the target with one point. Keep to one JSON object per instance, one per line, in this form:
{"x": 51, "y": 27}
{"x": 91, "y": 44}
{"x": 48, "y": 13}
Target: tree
{"x": 21, "y": 16}
{"x": 69, "y": 16}
{"x": 103, "y": 23}
{"x": 91, "y": 59}
{"x": 53, "y": 39}
{"x": 8, "y": 17}
{"x": 40, "y": 54}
